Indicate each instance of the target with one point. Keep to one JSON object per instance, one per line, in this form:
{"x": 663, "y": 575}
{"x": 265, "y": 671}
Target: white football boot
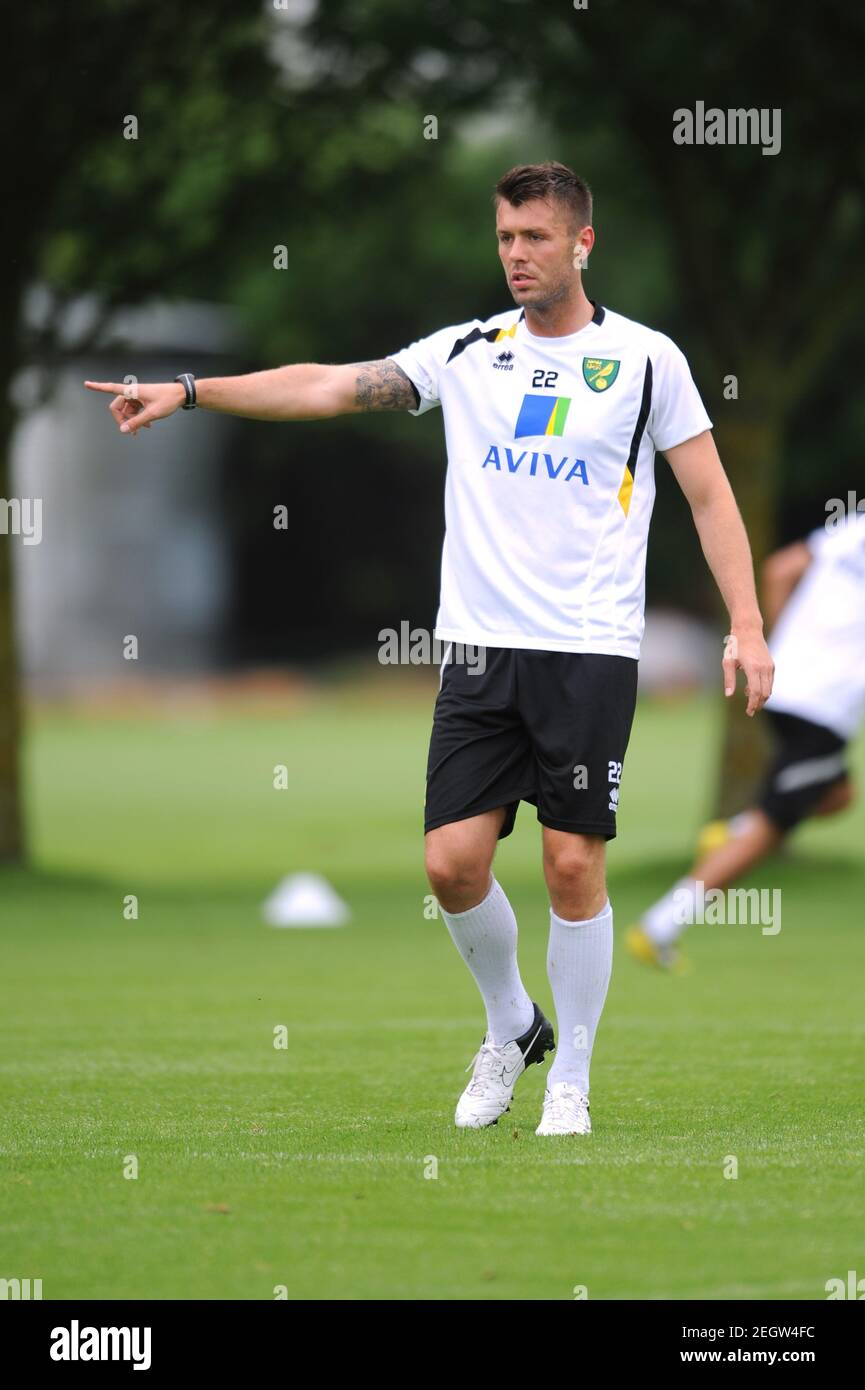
{"x": 566, "y": 1110}
{"x": 496, "y": 1072}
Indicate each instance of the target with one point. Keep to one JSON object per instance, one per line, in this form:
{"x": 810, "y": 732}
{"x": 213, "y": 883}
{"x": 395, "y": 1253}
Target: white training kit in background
{"x": 818, "y": 644}
{"x": 550, "y": 482}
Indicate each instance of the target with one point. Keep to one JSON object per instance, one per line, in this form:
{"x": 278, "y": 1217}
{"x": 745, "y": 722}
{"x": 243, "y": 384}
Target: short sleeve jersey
{"x": 550, "y": 481}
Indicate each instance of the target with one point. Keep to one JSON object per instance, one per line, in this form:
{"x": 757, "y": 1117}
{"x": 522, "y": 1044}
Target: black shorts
{"x": 808, "y": 761}
{"x": 551, "y": 728}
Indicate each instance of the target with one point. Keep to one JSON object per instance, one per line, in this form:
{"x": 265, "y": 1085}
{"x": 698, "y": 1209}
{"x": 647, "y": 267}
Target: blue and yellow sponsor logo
{"x": 542, "y": 415}
{"x": 600, "y": 372}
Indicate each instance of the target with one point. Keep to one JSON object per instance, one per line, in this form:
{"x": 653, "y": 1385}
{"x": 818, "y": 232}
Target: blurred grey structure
{"x": 679, "y": 652}
{"x": 132, "y": 533}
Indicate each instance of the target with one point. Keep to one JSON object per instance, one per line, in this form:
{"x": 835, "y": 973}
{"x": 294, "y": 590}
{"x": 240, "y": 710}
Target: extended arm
{"x": 700, "y": 474}
{"x": 309, "y": 391}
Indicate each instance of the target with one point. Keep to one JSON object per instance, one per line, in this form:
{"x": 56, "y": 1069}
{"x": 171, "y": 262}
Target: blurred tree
{"x": 138, "y": 127}
{"x": 171, "y": 155}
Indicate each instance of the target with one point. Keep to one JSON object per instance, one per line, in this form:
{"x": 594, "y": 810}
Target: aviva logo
{"x": 578, "y": 468}
{"x": 542, "y": 415}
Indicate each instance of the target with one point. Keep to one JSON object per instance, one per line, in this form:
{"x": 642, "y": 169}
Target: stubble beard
{"x": 552, "y": 298}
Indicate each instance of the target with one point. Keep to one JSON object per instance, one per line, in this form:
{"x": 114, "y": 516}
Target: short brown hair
{"x": 551, "y": 181}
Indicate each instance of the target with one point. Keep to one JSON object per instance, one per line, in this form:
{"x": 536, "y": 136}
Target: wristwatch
{"x": 187, "y": 381}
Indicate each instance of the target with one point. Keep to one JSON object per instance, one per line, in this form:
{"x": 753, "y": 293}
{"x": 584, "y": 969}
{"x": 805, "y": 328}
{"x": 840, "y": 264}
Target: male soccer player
{"x": 553, "y": 411}
{"x": 814, "y": 598}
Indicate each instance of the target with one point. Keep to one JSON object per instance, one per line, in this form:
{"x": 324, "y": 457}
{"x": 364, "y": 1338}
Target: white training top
{"x": 550, "y": 481}
{"x": 818, "y": 642}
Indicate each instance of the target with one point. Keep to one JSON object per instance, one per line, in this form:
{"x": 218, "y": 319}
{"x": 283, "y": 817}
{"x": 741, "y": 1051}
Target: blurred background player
{"x": 814, "y": 602}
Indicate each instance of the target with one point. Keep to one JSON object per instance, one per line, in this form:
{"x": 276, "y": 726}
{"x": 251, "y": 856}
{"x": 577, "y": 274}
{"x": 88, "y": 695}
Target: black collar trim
{"x": 491, "y": 335}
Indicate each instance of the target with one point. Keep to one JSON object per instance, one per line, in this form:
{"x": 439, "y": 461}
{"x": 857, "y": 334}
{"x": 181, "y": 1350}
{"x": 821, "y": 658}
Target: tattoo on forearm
{"x": 384, "y": 386}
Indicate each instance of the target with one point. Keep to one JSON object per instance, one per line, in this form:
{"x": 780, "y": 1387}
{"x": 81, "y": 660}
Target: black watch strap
{"x": 187, "y": 381}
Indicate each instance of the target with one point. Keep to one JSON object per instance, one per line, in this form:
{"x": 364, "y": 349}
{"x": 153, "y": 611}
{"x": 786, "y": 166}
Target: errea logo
{"x": 505, "y": 361}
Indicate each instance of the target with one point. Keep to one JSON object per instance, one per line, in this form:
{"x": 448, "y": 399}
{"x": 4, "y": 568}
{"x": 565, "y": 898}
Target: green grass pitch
{"x": 305, "y": 1167}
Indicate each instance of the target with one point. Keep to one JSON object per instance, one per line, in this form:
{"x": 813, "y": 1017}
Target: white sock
{"x": 579, "y": 962}
{"x": 667, "y": 919}
{"x": 486, "y": 938}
